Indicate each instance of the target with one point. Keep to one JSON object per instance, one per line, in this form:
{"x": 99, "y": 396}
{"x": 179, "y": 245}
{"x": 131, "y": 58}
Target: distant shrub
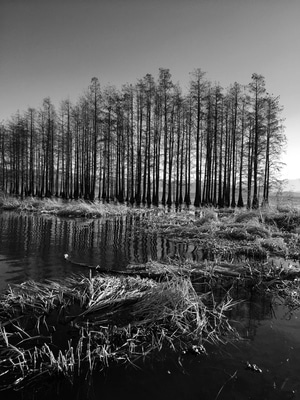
{"x": 252, "y": 251}
{"x": 207, "y": 215}
{"x": 246, "y": 216}
{"x": 285, "y": 208}
{"x": 257, "y": 230}
{"x": 233, "y": 233}
{"x": 284, "y": 221}
{"x": 275, "y": 245}
{"x": 79, "y": 209}
{"x": 9, "y": 203}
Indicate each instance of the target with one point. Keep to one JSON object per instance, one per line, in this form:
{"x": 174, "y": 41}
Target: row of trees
{"x": 149, "y": 143}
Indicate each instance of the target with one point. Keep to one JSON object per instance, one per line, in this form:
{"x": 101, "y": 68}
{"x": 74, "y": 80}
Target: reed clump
{"x": 9, "y": 203}
{"x": 257, "y": 230}
{"x": 246, "y": 216}
{"x": 233, "y": 233}
{"x": 81, "y": 209}
{"x": 112, "y": 320}
{"x": 276, "y": 246}
{"x": 249, "y": 231}
{"x": 207, "y": 215}
{"x": 286, "y": 221}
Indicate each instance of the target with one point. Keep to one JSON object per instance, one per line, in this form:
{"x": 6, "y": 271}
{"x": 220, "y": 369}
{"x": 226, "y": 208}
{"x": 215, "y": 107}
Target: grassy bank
{"x": 70, "y": 209}
{"x": 231, "y": 234}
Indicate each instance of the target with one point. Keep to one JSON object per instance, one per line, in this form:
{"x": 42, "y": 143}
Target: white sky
{"x": 54, "y": 48}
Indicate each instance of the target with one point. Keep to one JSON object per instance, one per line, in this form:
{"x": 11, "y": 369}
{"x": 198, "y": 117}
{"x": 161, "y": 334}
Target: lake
{"x": 33, "y": 247}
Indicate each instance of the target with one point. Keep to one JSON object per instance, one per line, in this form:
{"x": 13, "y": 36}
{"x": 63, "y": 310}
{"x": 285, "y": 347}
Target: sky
{"x": 54, "y": 48}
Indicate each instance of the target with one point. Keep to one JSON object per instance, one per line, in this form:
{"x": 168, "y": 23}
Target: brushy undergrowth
{"x": 289, "y": 294}
{"x": 111, "y": 320}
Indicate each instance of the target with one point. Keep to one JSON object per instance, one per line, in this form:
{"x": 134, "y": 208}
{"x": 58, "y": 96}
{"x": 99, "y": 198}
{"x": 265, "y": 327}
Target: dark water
{"x": 32, "y": 247}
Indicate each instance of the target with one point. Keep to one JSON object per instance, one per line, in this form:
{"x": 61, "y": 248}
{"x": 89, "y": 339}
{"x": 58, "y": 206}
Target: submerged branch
{"x": 266, "y": 271}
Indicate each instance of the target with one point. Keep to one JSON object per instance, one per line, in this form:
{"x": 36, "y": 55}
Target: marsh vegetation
{"x": 112, "y": 320}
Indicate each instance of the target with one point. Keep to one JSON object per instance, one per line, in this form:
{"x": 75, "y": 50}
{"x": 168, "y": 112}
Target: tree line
{"x": 149, "y": 143}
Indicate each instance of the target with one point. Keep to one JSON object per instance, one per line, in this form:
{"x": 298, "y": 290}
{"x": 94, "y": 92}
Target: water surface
{"x": 32, "y": 247}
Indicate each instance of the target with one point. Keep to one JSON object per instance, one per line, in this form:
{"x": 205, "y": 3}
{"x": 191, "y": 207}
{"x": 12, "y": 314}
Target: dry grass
{"x": 70, "y": 209}
{"x": 113, "y": 319}
{"x": 9, "y": 203}
{"x": 246, "y": 216}
{"x": 289, "y": 294}
{"x": 253, "y": 234}
{"x": 276, "y": 246}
